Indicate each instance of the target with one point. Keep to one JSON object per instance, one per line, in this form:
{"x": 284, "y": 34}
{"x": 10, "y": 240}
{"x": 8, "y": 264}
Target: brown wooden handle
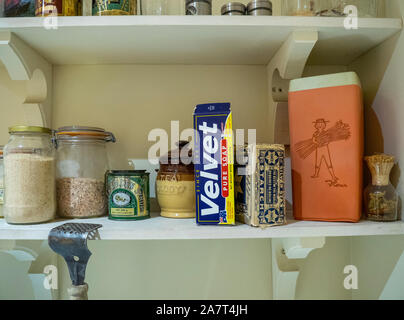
{"x": 78, "y": 292}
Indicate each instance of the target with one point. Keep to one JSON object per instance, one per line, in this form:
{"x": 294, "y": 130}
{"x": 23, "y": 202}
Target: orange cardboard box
{"x": 326, "y": 137}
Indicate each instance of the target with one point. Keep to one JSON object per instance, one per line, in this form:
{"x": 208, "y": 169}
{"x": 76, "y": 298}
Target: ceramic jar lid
{"x": 178, "y": 160}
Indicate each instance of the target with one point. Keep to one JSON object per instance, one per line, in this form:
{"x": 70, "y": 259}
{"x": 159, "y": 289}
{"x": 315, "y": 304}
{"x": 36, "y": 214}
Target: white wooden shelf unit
{"x": 283, "y": 44}
{"x": 193, "y": 39}
{"x": 159, "y": 228}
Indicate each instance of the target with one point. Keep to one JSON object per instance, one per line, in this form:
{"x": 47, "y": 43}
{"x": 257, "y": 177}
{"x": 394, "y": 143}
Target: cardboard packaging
{"x": 260, "y": 186}
{"x": 326, "y": 141}
{"x": 213, "y": 163}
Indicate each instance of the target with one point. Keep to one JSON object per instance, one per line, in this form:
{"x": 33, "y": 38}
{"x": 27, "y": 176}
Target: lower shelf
{"x": 159, "y": 228}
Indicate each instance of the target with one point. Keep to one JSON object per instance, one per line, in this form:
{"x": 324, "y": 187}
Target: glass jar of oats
{"x": 80, "y": 171}
{"x": 29, "y": 176}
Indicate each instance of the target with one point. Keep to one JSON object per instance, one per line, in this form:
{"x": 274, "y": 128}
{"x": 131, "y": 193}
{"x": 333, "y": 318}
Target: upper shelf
{"x": 159, "y": 228}
{"x": 217, "y": 40}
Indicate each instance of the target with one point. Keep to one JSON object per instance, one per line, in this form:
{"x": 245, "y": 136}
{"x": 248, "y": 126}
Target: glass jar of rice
{"x": 29, "y": 176}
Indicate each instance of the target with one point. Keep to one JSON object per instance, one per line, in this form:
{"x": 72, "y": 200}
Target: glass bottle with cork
{"x": 381, "y": 198}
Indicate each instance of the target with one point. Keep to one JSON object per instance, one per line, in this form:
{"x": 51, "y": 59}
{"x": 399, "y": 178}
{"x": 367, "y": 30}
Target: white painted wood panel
{"x": 159, "y": 228}
{"x": 204, "y": 40}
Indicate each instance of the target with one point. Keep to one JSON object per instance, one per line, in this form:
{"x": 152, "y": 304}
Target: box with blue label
{"x": 260, "y": 186}
{"x": 213, "y": 162}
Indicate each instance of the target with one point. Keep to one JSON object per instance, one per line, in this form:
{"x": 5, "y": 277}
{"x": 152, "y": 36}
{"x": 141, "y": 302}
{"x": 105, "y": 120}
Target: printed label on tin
{"x": 128, "y": 197}
{"x": 111, "y": 7}
{"x": 123, "y": 203}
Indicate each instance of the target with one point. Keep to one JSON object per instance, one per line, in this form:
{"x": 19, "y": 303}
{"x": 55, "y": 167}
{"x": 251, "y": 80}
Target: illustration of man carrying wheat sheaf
{"x": 319, "y": 144}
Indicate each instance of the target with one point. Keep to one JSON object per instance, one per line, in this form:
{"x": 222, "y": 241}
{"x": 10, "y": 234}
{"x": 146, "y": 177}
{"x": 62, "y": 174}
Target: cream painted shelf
{"x": 159, "y": 228}
{"x": 194, "y": 40}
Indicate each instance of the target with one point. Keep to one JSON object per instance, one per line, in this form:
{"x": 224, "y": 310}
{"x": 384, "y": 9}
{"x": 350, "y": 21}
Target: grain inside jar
{"x": 30, "y": 188}
{"x": 81, "y": 197}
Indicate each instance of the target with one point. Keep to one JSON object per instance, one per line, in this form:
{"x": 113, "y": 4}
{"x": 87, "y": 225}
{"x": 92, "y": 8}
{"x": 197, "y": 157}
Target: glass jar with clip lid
{"x": 80, "y": 171}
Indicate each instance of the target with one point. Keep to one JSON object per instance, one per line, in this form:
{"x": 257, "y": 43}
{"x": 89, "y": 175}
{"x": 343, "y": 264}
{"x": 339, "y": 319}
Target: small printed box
{"x": 260, "y": 186}
{"x": 213, "y": 162}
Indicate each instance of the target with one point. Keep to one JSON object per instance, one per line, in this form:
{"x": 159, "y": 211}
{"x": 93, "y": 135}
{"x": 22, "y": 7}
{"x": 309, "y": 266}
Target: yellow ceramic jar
{"x": 175, "y": 184}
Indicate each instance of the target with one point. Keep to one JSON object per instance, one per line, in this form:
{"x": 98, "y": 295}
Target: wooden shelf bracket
{"x": 287, "y": 64}
{"x": 286, "y": 254}
{"x": 25, "y": 64}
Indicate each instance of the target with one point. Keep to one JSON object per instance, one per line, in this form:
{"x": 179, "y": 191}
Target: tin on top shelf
{"x": 198, "y": 7}
{"x": 259, "y": 8}
{"x": 233, "y": 9}
{"x": 19, "y": 8}
{"x": 56, "y": 8}
{"x": 114, "y": 8}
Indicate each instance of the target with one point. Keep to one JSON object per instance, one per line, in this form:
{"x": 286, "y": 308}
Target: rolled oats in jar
{"x": 81, "y": 165}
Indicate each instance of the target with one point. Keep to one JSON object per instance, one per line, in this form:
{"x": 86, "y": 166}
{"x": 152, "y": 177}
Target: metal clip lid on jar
{"x": 82, "y": 161}
{"x": 84, "y": 133}
{"x": 233, "y": 9}
{"x": 259, "y": 8}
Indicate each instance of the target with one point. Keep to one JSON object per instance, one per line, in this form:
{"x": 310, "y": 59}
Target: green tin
{"x": 128, "y": 194}
{"x": 113, "y": 7}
